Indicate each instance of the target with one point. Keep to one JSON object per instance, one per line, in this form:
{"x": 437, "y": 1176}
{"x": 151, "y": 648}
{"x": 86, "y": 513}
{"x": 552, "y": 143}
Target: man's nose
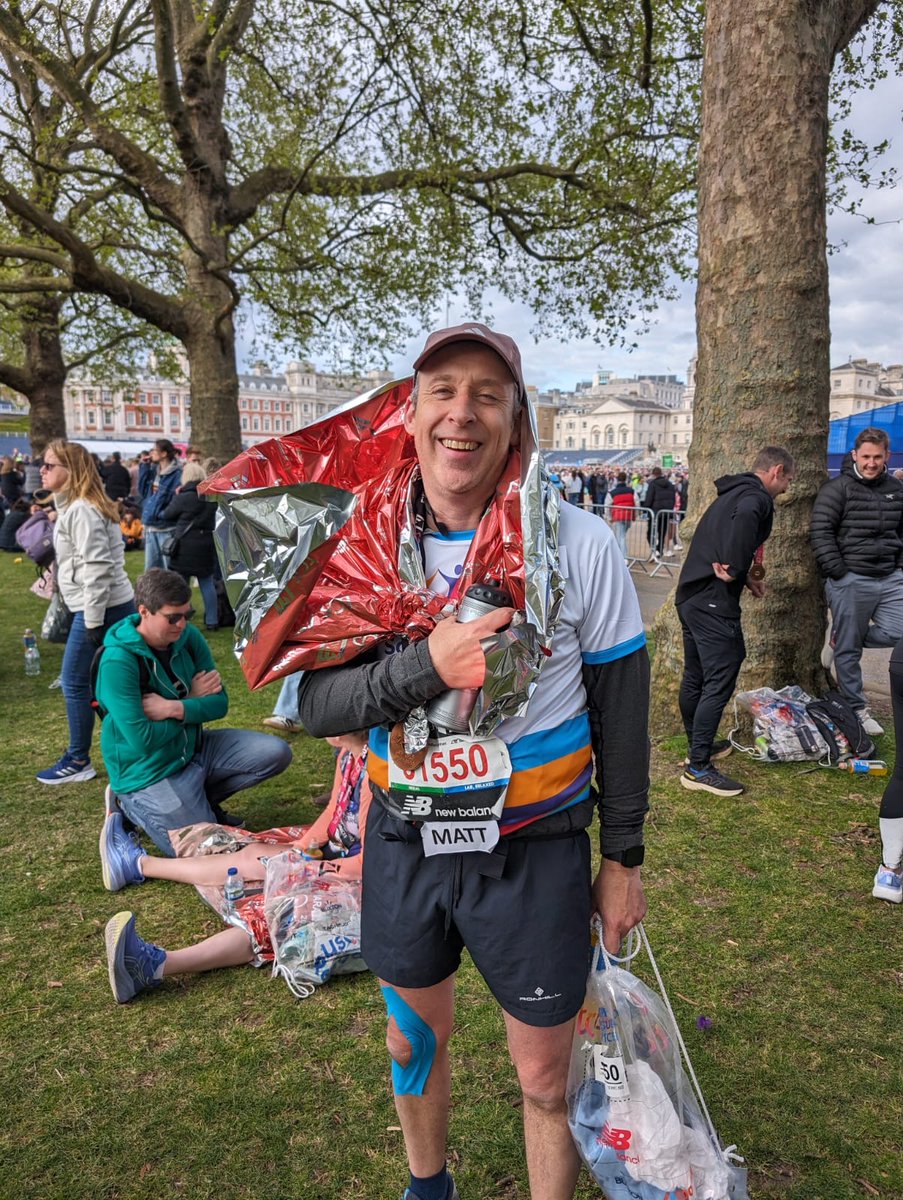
{"x": 463, "y": 406}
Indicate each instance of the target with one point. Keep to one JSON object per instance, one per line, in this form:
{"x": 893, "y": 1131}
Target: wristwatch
{"x": 627, "y": 858}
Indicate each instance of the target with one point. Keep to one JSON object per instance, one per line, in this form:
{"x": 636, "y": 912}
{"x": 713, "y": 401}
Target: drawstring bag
{"x": 643, "y": 1131}
{"x": 314, "y": 918}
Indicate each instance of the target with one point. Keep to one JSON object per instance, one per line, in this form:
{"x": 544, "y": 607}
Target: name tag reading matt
{"x": 458, "y": 837}
{"x": 461, "y": 779}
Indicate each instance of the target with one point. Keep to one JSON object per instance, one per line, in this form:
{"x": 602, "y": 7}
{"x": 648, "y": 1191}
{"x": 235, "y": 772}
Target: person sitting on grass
{"x": 337, "y": 836}
{"x": 157, "y": 685}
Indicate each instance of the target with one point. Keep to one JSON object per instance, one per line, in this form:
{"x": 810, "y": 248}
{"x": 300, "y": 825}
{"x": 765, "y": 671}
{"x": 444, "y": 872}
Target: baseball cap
{"x": 504, "y": 346}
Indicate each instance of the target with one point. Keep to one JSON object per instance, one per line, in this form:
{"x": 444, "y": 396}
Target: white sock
{"x": 891, "y": 841}
{"x": 158, "y": 974}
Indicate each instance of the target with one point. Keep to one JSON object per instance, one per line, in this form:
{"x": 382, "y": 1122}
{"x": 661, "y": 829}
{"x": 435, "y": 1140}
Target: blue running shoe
{"x": 67, "y": 770}
{"x": 888, "y": 885}
{"x": 119, "y": 854}
{"x": 132, "y": 962}
{"x": 451, "y": 1194}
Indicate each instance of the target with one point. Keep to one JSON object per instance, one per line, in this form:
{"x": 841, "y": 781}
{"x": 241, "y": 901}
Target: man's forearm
{"x": 618, "y": 704}
{"x": 336, "y": 700}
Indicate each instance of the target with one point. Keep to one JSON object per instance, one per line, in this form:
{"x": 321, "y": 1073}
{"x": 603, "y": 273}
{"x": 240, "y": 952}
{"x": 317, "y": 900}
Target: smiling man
{"x": 857, "y": 536}
{"x": 520, "y": 898}
{"x": 156, "y": 686}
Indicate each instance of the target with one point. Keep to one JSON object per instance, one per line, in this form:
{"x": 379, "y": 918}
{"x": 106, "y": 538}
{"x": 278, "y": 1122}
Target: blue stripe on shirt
{"x": 594, "y": 657}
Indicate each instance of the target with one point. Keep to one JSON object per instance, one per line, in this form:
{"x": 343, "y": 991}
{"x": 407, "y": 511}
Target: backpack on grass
{"x": 837, "y": 722}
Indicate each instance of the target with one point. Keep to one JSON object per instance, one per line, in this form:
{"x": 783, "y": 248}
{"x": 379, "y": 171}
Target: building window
{"x": 244, "y": 423}
{"x": 90, "y": 417}
{"x": 107, "y": 397}
{"x": 277, "y": 425}
{"x": 266, "y": 424}
{"x": 255, "y": 424}
{"x": 142, "y": 417}
{"x": 174, "y": 419}
{"x": 130, "y": 420}
{"x": 107, "y": 418}
{"x": 609, "y": 435}
{"x": 89, "y": 397}
{"x": 158, "y": 419}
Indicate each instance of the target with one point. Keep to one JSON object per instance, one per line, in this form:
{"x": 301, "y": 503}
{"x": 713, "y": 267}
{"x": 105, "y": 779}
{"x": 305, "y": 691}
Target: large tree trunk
{"x": 46, "y": 370}
{"x": 215, "y": 426}
{"x": 42, "y": 375}
{"x": 762, "y": 309}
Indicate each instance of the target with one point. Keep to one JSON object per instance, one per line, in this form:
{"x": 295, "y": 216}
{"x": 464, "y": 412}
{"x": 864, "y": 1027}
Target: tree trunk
{"x": 210, "y": 343}
{"x": 762, "y": 311}
{"x": 42, "y": 376}
{"x": 215, "y": 427}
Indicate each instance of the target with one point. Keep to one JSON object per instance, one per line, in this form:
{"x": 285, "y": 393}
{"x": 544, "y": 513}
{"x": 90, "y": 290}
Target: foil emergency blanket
{"x": 317, "y": 540}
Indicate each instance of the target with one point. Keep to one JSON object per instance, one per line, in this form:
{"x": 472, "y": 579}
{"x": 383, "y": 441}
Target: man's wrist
{"x": 632, "y": 857}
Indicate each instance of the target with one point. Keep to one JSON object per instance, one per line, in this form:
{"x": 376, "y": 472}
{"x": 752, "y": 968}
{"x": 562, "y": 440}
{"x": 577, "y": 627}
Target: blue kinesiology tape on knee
{"x": 410, "y": 1080}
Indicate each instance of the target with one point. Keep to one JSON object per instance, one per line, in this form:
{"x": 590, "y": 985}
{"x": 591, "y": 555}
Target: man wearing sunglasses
{"x": 156, "y": 687}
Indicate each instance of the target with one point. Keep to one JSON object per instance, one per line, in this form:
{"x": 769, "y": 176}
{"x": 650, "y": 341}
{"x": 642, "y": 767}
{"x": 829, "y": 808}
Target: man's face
{"x": 870, "y": 459}
{"x": 463, "y": 423}
{"x": 164, "y": 627}
{"x": 155, "y": 455}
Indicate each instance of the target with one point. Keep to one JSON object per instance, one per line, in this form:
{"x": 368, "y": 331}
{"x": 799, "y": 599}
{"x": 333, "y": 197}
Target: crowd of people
{"x": 521, "y": 905}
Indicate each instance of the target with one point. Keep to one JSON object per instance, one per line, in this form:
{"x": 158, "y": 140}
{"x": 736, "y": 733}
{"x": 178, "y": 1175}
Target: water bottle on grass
{"x": 32, "y": 653}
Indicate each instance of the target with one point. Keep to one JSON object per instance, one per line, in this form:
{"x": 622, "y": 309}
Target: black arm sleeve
{"x": 335, "y": 700}
{"x": 617, "y": 698}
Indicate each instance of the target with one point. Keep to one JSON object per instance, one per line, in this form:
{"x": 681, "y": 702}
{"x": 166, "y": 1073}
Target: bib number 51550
{"x": 458, "y": 765}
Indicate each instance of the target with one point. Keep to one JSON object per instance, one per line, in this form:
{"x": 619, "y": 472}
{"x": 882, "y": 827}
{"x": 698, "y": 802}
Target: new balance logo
{"x": 618, "y": 1139}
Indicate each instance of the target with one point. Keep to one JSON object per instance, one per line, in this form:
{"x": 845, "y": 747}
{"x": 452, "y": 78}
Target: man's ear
{"x": 516, "y": 424}
{"x": 409, "y": 410}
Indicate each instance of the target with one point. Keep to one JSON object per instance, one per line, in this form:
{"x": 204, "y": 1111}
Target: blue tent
{"x": 842, "y": 433}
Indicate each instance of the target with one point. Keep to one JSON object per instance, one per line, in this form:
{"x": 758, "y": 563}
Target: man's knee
{"x": 543, "y": 1085}
{"x": 413, "y": 1044}
{"x": 278, "y": 755}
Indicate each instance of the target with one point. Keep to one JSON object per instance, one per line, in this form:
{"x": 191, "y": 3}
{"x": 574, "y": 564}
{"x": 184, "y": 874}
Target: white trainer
{"x": 869, "y": 724}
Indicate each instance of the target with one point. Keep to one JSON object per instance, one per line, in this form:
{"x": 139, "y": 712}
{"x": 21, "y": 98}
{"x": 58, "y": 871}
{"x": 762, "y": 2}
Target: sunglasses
{"x": 49, "y": 466}
{"x": 175, "y": 618}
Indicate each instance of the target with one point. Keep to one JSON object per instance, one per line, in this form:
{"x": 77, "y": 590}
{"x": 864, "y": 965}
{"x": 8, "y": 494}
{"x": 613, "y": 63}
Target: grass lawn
{"x": 224, "y": 1086}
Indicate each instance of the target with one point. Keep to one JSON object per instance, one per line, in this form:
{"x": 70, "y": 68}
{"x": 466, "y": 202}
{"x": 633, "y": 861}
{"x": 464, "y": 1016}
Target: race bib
{"x": 461, "y": 779}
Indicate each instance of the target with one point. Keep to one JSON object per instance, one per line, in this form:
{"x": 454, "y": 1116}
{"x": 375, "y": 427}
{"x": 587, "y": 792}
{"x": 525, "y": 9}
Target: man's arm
{"x": 827, "y": 514}
{"x": 336, "y": 700}
{"x": 745, "y": 534}
{"x": 119, "y": 692}
{"x": 198, "y": 709}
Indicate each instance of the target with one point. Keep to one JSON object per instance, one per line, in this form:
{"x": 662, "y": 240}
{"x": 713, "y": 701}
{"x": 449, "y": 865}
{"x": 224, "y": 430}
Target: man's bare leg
{"x": 206, "y": 870}
{"x": 229, "y": 948}
{"x": 541, "y": 1058}
{"x": 424, "y": 1119}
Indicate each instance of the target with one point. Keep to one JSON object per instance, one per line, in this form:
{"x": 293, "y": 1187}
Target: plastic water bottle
{"x": 32, "y": 653}
{"x": 234, "y": 888}
{"x": 864, "y": 766}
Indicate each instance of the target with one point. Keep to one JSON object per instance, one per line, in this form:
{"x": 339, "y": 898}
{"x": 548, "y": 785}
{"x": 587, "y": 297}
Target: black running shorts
{"x": 523, "y": 912}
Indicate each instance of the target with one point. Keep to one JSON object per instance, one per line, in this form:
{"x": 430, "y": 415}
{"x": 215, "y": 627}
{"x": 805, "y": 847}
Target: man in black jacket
{"x": 660, "y": 497}
{"x": 857, "y": 536}
{"x": 728, "y": 538}
{"x": 117, "y": 482}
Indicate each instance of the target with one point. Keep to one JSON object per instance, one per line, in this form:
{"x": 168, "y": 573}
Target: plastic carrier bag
{"x": 782, "y": 728}
{"x": 314, "y": 918}
{"x": 637, "y": 1123}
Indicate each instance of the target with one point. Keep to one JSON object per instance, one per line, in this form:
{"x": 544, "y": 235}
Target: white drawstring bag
{"x": 643, "y": 1131}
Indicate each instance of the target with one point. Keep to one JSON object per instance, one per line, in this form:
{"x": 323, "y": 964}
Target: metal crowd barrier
{"x": 650, "y": 541}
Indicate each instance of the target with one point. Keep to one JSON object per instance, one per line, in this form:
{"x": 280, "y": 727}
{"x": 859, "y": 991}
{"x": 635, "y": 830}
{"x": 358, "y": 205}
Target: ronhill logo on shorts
{"x": 539, "y": 994}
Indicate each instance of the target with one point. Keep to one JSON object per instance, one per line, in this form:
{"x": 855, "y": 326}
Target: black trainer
{"x": 720, "y": 749}
{"x": 710, "y": 780}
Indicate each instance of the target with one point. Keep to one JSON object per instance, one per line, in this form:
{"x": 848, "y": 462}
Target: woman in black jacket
{"x": 194, "y": 552}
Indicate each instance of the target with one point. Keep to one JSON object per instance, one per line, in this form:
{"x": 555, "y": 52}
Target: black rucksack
{"x": 841, "y": 728}
{"x": 144, "y": 679}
